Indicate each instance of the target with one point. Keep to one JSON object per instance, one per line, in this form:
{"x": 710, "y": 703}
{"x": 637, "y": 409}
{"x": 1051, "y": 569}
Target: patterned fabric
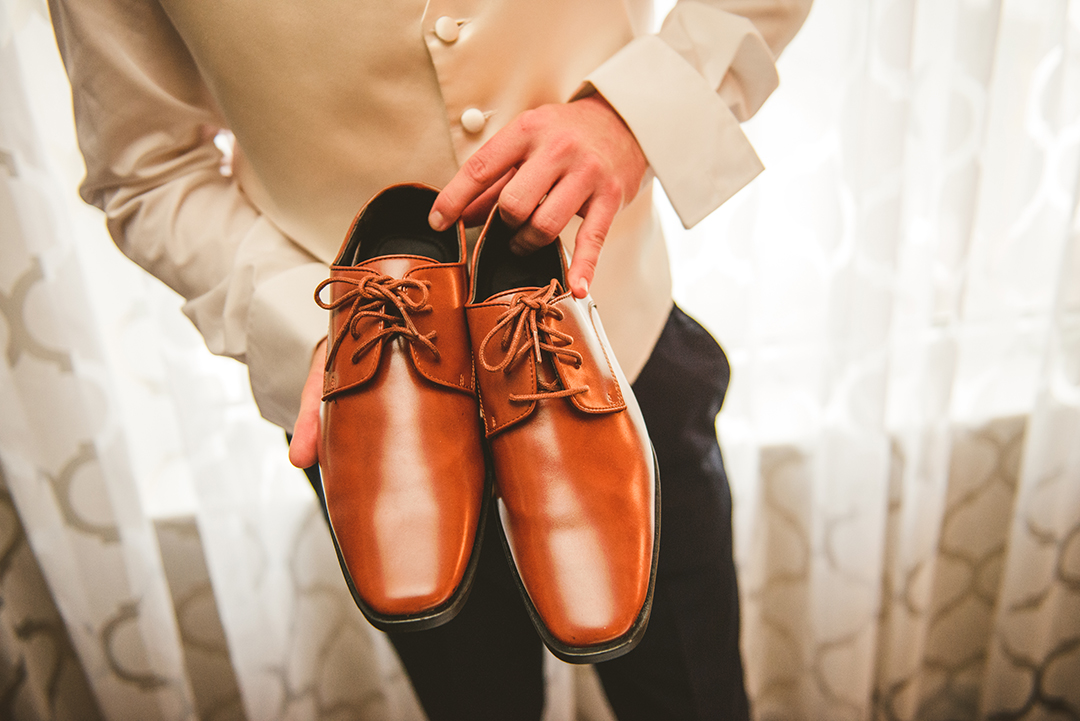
{"x": 899, "y": 296}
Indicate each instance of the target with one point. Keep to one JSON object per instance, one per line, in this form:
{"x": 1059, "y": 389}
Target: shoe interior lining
{"x": 396, "y": 223}
{"x": 498, "y": 269}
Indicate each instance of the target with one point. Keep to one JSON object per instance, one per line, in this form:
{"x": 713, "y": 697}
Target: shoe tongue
{"x": 395, "y": 266}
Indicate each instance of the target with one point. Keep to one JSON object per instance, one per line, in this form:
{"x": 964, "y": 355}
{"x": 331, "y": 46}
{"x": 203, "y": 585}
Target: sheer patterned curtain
{"x": 900, "y": 298}
{"x": 899, "y": 295}
{"x": 160, "y": 558}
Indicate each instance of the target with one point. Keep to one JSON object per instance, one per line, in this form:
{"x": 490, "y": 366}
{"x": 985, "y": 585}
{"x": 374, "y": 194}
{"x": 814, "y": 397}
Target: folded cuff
{"x": 690, "y": 137}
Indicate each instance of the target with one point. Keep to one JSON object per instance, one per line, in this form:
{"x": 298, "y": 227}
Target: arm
{"x": 671, "y": 102}
{"x": 676, "y": 97}
{"x": 684, "y": 92}
{"x": 146, "y": 123}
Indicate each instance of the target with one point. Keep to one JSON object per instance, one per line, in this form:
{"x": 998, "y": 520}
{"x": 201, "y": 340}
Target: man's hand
{"x": 304, "y": 447}
{"x": 545, "y": 167}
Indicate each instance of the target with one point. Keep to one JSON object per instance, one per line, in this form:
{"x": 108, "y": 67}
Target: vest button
{"x": 473, "y": 120}
{"x": 446, "y": 29}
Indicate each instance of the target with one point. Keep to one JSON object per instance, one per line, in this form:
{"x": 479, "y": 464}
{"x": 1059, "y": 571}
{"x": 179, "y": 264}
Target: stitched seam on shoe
{"x": 615, "y": 406}
{"x": 417, "y": 366}
{"x": 488, "y": 429}
{"x": 341, "y": 389}
{"x": 327, "y": 394}
{"x": 528, "y": 409}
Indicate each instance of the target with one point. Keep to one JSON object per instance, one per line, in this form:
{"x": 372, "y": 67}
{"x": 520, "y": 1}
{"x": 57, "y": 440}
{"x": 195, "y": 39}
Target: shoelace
{"x": 521, "y": 326}
{"x": 369, "y": 298}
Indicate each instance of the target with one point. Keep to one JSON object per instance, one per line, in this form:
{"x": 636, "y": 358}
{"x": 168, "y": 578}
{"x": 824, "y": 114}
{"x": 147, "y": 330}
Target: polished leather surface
{"x": 575, "y": 474}
{"x": 403, "y": 470}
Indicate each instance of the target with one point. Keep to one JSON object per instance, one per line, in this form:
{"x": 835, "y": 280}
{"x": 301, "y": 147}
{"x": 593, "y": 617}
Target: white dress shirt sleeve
{"x": 684, "y": 92}
{"x": 146, "y": 125}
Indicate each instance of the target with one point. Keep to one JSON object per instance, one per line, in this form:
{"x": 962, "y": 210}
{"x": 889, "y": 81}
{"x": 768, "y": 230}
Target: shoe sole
{"x": 610, "y": 649}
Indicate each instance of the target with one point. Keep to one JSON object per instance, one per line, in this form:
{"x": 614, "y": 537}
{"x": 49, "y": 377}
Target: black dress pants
{"x": 487, "y": 663}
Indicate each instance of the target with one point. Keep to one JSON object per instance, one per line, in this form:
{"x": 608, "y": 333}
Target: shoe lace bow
{"x": 523, "y": 330}
{"x": 385, "y": 298}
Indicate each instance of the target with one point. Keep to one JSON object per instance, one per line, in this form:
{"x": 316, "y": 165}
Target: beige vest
{"x": 376, "y": 96}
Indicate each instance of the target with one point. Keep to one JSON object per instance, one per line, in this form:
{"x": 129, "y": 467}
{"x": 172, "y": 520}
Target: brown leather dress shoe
{"x": 401, "y": 455}
{"x": 576, "y": 479}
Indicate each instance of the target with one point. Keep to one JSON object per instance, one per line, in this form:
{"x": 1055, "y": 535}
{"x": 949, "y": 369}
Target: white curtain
{"x": 899, "y": 295}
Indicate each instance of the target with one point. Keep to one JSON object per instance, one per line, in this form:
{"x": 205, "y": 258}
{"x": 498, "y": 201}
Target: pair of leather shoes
{"x": 419, "y": 371}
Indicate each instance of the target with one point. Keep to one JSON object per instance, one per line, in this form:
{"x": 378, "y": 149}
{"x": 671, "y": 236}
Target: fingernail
{"x": 436, "y": 220}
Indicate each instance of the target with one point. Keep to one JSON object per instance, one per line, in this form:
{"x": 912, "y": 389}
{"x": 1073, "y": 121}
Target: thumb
{"x": 304, "y": 447}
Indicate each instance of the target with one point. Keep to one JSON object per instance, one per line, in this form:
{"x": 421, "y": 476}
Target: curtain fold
{"x": 899, "y": 296}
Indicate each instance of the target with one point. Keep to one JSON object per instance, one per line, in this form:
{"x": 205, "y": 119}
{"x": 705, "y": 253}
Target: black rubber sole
{"x": 442, "y": 613}
{"x": 599, "y": 652}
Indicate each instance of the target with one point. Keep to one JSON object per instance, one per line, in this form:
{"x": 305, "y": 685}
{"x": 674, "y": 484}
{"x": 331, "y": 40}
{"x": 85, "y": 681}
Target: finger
{"x": 532, "y": 182}
{"x": 479, "y": 210}
{"x": 588, "y": 242}
{"x": 304, "y": 447}
{"x": 552, "y": 215}
{"x": 483, "y": 169}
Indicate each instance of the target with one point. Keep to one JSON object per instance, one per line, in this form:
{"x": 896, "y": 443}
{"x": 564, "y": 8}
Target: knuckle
{"x": 529, "y": 121}
{"x": 526, "y": 241}
{"x": 610, "y": 190}
{"x": 605, "y": 192}
{"x": 476, "y": 169}
{"x": 562, "y": 145}
{"x": 596, "y": 169}
{"x": 512, "y": 209}
{"x": 536, "y": 120}
{"x": 546, "y": 226}
{"x": 591, "y": 238}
